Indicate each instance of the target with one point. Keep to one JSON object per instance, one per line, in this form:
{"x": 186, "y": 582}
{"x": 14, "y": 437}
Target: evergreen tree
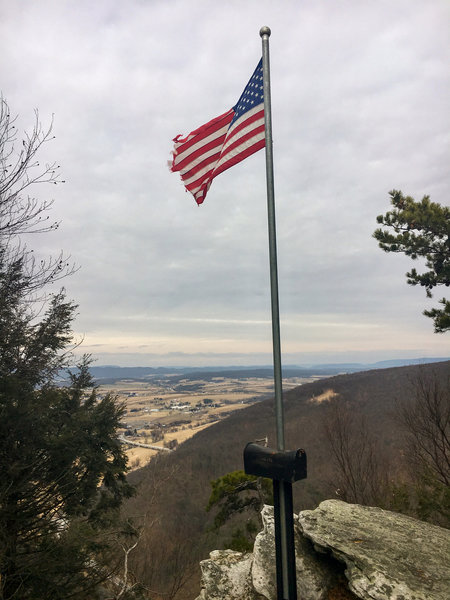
{"x": 236, "y": 493}
{"x": 421, "y": 229}
{"x": 63, "y": 479}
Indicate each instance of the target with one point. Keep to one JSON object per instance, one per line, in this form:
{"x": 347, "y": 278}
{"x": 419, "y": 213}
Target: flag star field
{"x": 252, "y": 95}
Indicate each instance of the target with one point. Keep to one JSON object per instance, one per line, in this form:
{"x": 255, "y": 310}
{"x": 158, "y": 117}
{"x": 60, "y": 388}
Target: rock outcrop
{"x": 383, "y": 555}
{"x": 227, "y": 574}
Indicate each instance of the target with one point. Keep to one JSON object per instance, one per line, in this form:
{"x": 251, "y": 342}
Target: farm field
{"x": 163, "y": 413}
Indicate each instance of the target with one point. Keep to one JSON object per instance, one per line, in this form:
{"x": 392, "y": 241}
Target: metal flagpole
{"x": 285, "y": 550}
{"x": 265, "y": 33}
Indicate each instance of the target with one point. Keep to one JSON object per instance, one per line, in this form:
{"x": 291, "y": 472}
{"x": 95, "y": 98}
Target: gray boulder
{"x": 315, "y": 575}
{"x": 388, "y": 556}
{"x": 226, "y": 575}
{"x": 385, "y": 556}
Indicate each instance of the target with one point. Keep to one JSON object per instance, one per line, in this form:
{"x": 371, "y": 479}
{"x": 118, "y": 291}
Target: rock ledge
{"x": 384, "y": 555}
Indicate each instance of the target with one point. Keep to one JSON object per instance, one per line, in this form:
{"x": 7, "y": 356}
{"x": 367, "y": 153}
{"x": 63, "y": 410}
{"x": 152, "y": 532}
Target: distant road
{"x": 125, "y": 441}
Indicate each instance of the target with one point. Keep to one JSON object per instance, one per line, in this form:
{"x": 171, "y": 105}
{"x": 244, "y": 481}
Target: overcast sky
{"x": 360, "y": 95}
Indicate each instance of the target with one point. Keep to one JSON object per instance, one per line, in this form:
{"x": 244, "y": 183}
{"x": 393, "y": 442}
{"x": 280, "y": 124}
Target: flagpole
{"x": 283, "y": 509}
{"x": 265, "y": 33}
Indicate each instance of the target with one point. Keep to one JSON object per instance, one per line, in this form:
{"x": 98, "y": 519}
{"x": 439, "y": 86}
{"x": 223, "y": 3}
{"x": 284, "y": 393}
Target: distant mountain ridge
{"x": 110, "y": 373}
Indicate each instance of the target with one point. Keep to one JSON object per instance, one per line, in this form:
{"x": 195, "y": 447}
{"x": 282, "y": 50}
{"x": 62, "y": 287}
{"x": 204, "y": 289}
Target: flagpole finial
{"x": 265, "y": 31}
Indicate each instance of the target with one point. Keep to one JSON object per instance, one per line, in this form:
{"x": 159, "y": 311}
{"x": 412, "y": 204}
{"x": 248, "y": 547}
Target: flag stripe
{"x": 209, "y": 127}
{"x": 245, "y": 131}
{"x": 239, "y": 149}
{"x": 194, "y": 157}
{"x": 251, "y": 116}
{"x": 253, "y": 142}
{"x": 206, "y": 134}
{"x": 201, "y": 170}
{"x": 197, "y": 172}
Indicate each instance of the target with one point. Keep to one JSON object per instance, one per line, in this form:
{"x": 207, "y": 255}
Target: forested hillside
{"x": 362, "y": 411}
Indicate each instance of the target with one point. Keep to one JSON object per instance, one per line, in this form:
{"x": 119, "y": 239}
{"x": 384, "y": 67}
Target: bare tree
{"x": 427, "y": 425}
{"x": 126, "y": 584}
{"x": 360, "y": 476}
{"x": 425, "y": 420}
{"x": 20, "y": 211}
{"x": 167, "y": 559}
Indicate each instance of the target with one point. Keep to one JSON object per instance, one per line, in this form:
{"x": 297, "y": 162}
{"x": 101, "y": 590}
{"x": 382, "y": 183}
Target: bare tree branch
{"x": 20, "y": 211}
{"x": 360, "y": 475}
{"x": 426, "y": 422}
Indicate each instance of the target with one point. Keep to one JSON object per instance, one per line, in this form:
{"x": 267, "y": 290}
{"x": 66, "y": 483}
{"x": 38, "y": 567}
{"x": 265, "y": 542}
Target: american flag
{"x": 223, "y": 141}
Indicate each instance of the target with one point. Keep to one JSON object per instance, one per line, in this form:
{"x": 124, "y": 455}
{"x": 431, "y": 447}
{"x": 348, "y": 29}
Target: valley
{"x": 164, "y": 412}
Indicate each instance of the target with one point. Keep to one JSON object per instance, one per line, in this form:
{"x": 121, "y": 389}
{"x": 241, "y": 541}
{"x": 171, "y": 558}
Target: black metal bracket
{"x": 283, "y": 468}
